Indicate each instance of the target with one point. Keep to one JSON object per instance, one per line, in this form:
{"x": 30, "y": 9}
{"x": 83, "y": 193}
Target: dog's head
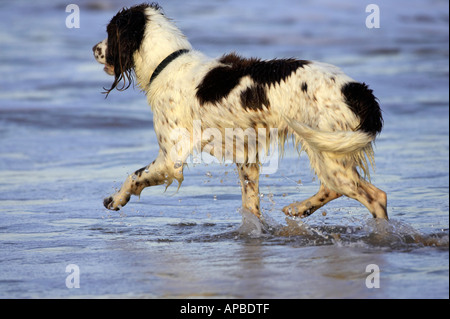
{"x": 125, "y": 35}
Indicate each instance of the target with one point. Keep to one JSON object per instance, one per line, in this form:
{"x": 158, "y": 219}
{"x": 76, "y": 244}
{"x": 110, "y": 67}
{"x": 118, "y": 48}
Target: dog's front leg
{"x": 249, "y": 176}
{"x": 160, "y": 171}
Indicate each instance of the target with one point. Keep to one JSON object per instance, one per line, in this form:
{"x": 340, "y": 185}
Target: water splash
{"x": 398, "y": 234}
{"x": 251, "y": 225}
{"x": 364, "y": 233}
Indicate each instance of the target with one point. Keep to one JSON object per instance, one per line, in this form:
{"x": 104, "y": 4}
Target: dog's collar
{"x": 166, "y": 62}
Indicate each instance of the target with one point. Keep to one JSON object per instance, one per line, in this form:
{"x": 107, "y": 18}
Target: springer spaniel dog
{"x": 328, "y": 115}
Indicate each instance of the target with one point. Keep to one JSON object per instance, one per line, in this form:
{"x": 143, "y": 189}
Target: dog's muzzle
{"x": 99, "y": 51}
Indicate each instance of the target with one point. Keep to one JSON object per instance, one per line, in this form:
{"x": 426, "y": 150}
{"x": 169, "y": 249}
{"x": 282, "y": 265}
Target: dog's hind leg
{"x": 249, "y": 177}
{"x": 310, "y": 205}
{"x": 373, "y": 198}
{"x": 348, "y": 182}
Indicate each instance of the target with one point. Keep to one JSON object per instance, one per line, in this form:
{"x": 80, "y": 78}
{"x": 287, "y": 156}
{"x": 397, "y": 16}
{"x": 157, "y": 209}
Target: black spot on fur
{"x": 254, "y": 98}
{"x": 125, "y": 34}
{"x": 219, "y": 81}
{"x": 364, "y": 104}
{"x": 140, "y": 171}
{"x": 304, "y": 87}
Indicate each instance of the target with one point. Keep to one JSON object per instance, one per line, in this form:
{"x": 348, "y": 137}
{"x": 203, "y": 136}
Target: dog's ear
{"x": 125, "y": 34}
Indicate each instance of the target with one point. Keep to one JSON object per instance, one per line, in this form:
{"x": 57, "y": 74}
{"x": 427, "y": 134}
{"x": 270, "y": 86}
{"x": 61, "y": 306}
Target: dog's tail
{"x": 339, "y": 142}
{"x": 356, "y": 145}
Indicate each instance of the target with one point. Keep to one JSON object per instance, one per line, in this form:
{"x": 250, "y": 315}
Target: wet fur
{"x": 331, "y": 117}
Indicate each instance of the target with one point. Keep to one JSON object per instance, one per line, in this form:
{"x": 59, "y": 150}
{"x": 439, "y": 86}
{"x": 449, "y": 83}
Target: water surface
{"x": 64, "y": 147}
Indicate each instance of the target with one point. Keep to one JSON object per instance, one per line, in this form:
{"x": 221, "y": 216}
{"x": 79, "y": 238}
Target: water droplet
{"x": 215, "y": 197}
{"x": 178, "y": 164}
{"x": 134, "y": 177}
{"x": 146, "y": 170}
{"x": 209, "y": 174}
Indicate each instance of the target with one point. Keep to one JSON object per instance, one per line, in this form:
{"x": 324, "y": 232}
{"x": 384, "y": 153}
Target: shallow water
{"x": 63, "y": 147}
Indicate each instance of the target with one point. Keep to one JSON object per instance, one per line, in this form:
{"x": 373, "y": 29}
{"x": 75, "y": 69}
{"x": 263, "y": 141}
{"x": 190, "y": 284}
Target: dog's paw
{"x": 108, "y": 202}
{"x": 299, "y": 209}
{"x": 290, "y": 210}
{"x": 116, "y": 201}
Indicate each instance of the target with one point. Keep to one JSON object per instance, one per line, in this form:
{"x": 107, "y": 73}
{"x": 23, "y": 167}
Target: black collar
{"x": 166, "y": 62}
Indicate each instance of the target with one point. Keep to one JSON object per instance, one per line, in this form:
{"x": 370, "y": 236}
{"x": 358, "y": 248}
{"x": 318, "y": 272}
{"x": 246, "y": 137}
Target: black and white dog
{"x": 334, "y": 118}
